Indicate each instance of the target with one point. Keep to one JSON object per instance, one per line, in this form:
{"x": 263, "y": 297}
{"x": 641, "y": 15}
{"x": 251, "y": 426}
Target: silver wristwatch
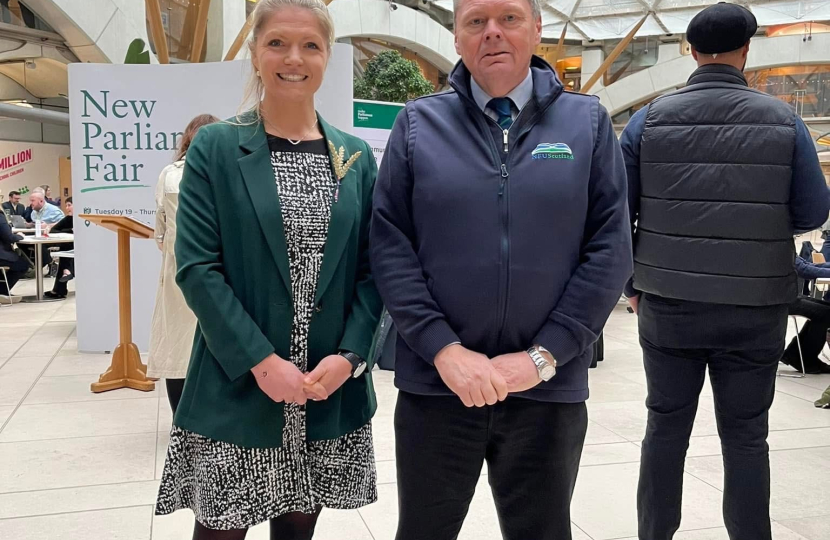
{"x": 546, "y": 369}
{"x": 358, "y": 363}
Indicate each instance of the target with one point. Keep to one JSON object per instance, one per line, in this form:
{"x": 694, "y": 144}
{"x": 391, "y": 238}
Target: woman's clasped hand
{"x": 283, "y": 382}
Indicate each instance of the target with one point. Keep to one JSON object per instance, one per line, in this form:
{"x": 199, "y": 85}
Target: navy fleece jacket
{"x": 498, "y": 240}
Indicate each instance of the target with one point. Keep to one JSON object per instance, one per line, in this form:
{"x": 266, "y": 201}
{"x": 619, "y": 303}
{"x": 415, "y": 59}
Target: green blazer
{"x": 233, "y": 271}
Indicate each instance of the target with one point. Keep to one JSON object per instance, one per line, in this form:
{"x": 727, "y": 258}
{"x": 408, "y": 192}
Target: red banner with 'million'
{"x": 13, "y": 160}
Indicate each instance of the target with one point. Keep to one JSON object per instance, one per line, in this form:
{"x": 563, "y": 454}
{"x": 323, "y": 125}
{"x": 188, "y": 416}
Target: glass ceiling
{"x": 613, "y": 19}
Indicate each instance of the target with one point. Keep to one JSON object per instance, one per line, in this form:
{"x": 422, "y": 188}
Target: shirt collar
{"x": 519, "y": 95}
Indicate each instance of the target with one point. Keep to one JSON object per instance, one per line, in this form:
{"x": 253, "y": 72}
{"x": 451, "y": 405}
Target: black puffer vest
{"x": 715, "y": 169}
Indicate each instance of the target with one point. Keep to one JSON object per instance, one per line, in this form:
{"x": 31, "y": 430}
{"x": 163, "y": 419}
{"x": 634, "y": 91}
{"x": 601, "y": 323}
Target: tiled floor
{"x": 74, "y": 465}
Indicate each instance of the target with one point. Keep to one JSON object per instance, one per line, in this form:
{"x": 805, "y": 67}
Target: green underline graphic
{"x": 87, "y": 190}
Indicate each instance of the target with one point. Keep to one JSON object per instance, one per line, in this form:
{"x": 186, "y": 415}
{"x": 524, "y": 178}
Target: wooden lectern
{"x": 126, "y": 369}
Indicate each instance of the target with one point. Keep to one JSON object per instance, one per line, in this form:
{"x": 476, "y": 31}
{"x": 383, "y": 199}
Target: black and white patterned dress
{"x": 230, "y": 487}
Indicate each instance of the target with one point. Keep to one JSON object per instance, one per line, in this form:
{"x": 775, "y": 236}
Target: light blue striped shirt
{"x": 48, "y": 214}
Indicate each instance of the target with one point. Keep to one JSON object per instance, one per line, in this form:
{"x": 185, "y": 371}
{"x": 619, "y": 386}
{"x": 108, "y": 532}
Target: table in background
{"x": 57, "y": 238}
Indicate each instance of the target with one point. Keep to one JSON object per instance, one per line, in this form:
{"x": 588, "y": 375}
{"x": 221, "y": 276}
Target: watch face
{"x": 547, "y": 373}
{"x": 358, "y": 371}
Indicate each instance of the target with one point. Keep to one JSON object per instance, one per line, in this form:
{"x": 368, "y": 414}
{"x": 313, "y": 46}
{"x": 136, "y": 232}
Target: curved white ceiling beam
{"x": 613, "y": 18}
{"x": 95, "y": 30}
{"x": 403, "y": 26}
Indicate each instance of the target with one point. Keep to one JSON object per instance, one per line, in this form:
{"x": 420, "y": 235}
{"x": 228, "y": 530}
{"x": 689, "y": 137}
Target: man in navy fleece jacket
{"x": 500, "y": 244}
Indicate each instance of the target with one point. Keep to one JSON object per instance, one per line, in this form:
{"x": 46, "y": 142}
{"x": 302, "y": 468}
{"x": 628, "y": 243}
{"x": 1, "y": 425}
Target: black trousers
{"x": 17, "y": 269}
{"x": 599, "y": 351}
{"x": 532, "y": 451}
{"x": 812, "y": 336}
{"x": 741, "y": 347}
{"x": 61, "y": 287}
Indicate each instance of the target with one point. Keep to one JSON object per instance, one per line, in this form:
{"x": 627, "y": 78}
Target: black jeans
{"x": 812, "y": 337}
{"x": 741, "y": 347}
{"x": 17, "y": 270}
{"x": 532, "y": 451}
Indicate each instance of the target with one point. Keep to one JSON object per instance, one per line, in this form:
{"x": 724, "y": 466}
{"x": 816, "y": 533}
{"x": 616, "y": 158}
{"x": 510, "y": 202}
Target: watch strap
{"x": 545, "y": 368}
{"x": 543, "y": 351}
{"x": 537, "y": 357}
{"x": 354, "y": 359}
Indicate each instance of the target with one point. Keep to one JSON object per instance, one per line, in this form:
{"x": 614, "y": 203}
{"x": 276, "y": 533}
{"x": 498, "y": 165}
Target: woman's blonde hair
{"x": 263, "y": 10}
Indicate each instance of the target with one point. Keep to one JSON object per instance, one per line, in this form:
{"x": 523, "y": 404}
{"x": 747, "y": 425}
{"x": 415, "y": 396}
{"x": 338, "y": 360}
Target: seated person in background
{"x": 65, "y": 224}
{"x": 66, "y": 266}
{"x": 13, "y": 207}
{"x": 46, "y": 213}
{"x": 47, "y": 192}
{"x": 42, "y": 210}
{"x": 813, "y": 334}
{"x": 16, "y": 265}
{"x": 27, "y": 214}
{"x": 825, "y": 234}
{"x": 806, "y": 253}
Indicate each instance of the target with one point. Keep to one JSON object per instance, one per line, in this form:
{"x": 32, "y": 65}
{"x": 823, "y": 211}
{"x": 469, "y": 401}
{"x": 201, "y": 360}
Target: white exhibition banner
{"x": 126, "y": 122}
{"x": 373, "y": 121}
{"x": 27, "y": 165}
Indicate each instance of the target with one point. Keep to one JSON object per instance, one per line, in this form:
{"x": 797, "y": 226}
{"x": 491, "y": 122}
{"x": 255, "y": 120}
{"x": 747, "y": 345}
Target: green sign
{"x": 375, "y": 114}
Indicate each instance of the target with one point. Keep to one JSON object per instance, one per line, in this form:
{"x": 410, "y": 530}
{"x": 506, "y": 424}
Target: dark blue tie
{"x": 503, "y": 110}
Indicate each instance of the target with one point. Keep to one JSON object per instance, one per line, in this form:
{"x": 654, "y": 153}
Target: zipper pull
{"x": 505, "y": 140}
{"x": 504, "y": 176}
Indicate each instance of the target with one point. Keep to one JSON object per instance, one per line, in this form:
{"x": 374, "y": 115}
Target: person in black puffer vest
{"x": 720, "y": 179}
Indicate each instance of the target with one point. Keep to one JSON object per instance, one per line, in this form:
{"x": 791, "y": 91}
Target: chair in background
{"x": 802, "y": 283}
{"x": 798, "y": 374}
{"x": 5, "y": 269}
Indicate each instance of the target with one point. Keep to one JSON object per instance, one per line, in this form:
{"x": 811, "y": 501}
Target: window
{"x": 16, "y": 13}
{"x": 806, "y": 88}
{"x": 179, "y": 19}
{"x": 639, "y": 55}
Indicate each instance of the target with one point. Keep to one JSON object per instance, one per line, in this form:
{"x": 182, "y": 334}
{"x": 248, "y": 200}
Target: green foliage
{"x": 136, "y": 53}
{"x": 390, "y": 77}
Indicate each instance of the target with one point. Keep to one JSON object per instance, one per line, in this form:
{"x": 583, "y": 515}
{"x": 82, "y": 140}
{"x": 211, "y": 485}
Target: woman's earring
{"x": 257, "y": 74}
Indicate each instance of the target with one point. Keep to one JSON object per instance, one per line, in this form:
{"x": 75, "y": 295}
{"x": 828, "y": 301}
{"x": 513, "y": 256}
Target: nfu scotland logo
{"x": 553, "y": 151}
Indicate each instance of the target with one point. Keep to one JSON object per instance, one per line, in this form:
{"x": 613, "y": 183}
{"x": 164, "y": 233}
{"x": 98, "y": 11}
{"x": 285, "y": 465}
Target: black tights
{"x": 174, "y": 392}
{"x": 291, "y": 526}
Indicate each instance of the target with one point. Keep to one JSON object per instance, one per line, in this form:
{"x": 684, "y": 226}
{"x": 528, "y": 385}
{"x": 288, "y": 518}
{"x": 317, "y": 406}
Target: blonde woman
{"x": 272, "y": 253}
{"x": 171, "y": 332}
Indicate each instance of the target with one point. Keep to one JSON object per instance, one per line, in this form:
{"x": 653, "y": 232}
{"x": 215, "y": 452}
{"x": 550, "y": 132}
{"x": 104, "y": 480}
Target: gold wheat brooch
{"x": 341, "y": 168}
